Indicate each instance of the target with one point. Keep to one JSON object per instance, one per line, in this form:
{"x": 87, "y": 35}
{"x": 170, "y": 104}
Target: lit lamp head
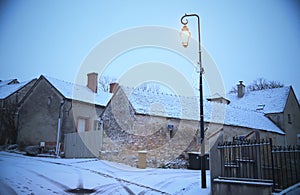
{"x": 185, "y": 35}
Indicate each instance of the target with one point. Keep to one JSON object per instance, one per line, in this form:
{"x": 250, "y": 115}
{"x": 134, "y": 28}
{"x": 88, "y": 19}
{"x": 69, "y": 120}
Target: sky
{"x": 245, "y": 39}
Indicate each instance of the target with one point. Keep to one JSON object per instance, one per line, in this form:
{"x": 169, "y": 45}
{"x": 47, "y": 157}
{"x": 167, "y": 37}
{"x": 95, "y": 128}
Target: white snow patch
{"x": 80, "y": 92}
{"x": 274, "y": 100}
{"x": 36, "y": 175}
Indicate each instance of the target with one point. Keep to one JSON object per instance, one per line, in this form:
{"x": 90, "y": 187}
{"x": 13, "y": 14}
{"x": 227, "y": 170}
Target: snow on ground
{"x": 37, "y": 175}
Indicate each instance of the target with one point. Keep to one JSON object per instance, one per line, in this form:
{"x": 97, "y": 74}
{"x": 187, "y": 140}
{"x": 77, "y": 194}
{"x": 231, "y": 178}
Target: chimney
{"x": 92, "y": 82}
{"x": 113, "y": 87}
{"x": 241, "y": 89}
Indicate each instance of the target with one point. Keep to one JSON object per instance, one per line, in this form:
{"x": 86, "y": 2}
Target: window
{"x": 82, "y": 124}
{"x": 289, "y": 119}
{"x": 171, "y": 130}
{"x": 98, "y": 125}
{"x": 49, "y": 102}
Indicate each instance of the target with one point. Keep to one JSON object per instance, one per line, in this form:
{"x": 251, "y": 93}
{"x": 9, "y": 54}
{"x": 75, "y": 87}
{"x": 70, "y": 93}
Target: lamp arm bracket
{"x": 184, "y": 22}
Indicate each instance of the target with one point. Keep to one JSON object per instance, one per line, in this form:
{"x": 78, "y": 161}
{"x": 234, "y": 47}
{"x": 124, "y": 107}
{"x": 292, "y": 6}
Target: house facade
{"x": 280, "y": 105}
{"x": 52, "y": 110}
{"x": 288, "y": 119}
{"x": 11, "y": 94}
{"x": 167, "y": 126}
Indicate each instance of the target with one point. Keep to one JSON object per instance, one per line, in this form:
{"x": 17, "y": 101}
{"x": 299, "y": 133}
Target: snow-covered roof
{"x": 167, "y": 105}
{"x": 7, "y": 82}
{"x": 79, "y": 92}
{"x": 8, "y": 89}
{"x": 268, "y": 100}
{"x": 240, "y": 117}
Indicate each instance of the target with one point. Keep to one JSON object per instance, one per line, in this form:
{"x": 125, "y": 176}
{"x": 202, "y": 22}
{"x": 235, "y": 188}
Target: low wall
{"x": 233, "y": 186}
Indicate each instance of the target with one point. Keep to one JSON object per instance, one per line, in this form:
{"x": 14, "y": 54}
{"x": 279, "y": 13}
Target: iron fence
{"x": 286, "y": 162}
{"x": 260, "y": 160}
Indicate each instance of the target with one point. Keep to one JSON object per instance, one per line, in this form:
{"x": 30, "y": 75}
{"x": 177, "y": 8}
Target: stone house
{"x": 54, "y": 109}
{"x": 167, "y": 126}
{"x": 280, "y": 105}
{"x": 11, "y": 94}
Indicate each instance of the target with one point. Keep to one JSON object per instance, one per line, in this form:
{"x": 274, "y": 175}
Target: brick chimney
{"x": 92, "y": 81}
{"x": 113, "y": 87}
{"x": 241, "y": 89}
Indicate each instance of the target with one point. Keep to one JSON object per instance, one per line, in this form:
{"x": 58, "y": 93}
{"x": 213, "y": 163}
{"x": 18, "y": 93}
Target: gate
{"x": 260, "y": 161}
{"x": 83, "y": 145}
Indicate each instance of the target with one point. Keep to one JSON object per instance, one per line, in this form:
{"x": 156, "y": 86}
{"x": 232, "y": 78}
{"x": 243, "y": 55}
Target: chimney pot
{"x": 113, "y": 87}
{"x": 241, "y": 89}
{"x": 92, "y": 82}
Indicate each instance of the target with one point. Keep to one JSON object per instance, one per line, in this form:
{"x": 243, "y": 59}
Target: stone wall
{"x": 146, "y": 133}
{"x": 126, "y": 133}
{"x": 122, "y": 145}
{"x": 231, "y": 186}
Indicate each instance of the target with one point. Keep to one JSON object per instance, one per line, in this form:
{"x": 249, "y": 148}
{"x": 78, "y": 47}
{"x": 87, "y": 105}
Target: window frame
{"x": 86, "y": 127}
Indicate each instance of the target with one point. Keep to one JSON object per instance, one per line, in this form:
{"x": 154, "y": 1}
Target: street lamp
{"x": 185, "y": 36}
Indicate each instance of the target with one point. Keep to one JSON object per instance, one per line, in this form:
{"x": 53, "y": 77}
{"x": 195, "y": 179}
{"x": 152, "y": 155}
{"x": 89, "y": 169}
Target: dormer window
{"x": 260, "y": 106}
{"x": 218, "y": 99}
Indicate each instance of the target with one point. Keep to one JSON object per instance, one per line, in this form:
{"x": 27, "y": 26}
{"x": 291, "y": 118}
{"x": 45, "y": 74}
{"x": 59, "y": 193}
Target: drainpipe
{"x": 58, "y": 129}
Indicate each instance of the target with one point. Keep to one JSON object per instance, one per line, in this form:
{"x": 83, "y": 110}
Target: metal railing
{"x": 286, "y": 162}
{"x": 260, "y": 160}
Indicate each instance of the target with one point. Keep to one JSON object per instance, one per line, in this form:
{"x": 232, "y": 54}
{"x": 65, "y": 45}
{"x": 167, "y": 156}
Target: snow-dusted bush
{"x": 178, "y": 163}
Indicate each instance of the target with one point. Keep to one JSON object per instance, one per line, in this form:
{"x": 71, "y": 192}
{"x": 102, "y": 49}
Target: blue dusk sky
{"x": 246, "y": 39}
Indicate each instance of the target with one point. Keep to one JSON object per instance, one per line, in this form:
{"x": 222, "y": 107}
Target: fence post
{"x": 258, "y": 160}
{"x": 272, "y": 162}
{"x": 216, "y": 168}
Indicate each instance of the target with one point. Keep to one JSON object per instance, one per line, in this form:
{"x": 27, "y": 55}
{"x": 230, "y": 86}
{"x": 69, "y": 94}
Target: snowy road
{"x": 35, "y": 175}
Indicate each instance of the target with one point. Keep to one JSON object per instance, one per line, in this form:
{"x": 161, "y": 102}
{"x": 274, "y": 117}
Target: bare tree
{"x": 275, "y": 84}
{"x": 260, "y": 84}
{"x": 104, "y": 82}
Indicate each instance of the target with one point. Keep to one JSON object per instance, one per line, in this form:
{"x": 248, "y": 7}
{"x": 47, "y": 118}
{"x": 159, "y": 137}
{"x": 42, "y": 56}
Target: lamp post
{"x": 185, "y": 36}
